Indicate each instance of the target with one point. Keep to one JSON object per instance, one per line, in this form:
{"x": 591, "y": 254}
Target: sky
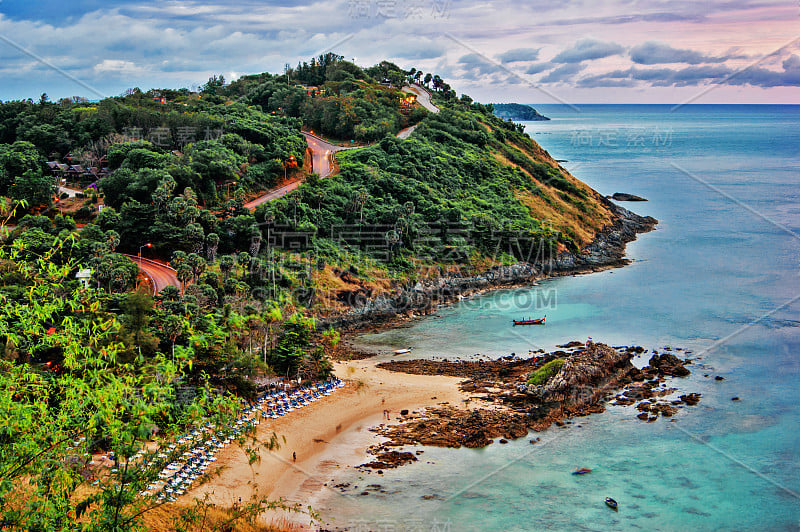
{"x": 598, "y": 51}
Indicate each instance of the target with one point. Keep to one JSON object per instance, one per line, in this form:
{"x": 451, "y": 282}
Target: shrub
{"x": 84, "y": 212}
{"x": 543, "y": 374}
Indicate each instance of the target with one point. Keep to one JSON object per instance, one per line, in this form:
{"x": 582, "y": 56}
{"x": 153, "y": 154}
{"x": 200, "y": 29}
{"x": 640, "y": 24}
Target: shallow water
{"x": 719, "y": 276}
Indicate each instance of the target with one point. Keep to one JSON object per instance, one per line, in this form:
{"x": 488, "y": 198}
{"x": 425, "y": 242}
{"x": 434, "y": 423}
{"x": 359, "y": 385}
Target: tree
{"x": 243, "y": 259}
{"x": 136, "y": 308}
{"x": 315, "y": 365}
{"x": 183, "y": 270}
{"x": 428, "y": 78}
{"x": 397, "y": 79}
{"x": 15, "y": 160}
{"x": 172, "y": 327}
{"x": 212, "y": 243}
{"x": 294, "y": 342}
{"x": 33, "y": 188}
{"x": 214, "y": 84}
{"x": 81, "y": 400}
{"x": 197, "y": 265}
{"x": 226, "y": 263}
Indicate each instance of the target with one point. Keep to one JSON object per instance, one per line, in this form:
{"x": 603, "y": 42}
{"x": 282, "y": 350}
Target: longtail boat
{"x": 538, "y": 321}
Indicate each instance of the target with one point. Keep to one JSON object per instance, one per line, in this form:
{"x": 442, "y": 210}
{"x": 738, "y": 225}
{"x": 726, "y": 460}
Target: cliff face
{"x": 608, "y": 249}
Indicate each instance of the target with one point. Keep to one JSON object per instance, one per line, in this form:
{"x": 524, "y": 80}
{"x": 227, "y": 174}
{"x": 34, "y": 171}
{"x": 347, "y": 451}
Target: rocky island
{"x": 517, "y": 112}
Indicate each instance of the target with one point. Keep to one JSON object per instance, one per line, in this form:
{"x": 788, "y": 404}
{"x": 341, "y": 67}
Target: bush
{"x": 543, "y": 374}
{"x": 84, "y": 212}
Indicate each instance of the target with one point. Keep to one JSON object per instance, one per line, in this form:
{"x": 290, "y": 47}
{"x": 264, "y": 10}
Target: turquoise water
{"x": 719, "y": 276}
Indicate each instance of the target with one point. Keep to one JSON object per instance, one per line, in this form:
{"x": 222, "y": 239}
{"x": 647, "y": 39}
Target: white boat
{"x": 402, "y": 351}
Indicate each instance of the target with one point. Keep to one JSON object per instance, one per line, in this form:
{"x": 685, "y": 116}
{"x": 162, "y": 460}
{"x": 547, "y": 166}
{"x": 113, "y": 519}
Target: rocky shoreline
{"x": 591, "y": 376}
{"x": 424, "y": 296}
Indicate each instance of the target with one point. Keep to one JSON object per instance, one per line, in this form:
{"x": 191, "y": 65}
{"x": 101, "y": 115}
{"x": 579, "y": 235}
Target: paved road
{"x": 321, "y": 163}
{"x": 161, "y": 274}
{"x": 423, "y": 96}
{"x": 274, "y": 194}
{"x": 406, "y": 132}
{"x": 322, "y": 152}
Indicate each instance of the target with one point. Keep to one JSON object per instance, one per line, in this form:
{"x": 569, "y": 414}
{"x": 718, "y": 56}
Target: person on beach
{"x": 294, "y": 456}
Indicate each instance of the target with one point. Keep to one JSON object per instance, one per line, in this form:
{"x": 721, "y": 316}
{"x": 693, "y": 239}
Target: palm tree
{"x": 270, "y": 315}
{"x": 212, "y": 243}
{"x": 197, "y": 265}
{"x": 173, "y": 327}
{"x": 243, "y": 260}
{"x": 226, "y": 264}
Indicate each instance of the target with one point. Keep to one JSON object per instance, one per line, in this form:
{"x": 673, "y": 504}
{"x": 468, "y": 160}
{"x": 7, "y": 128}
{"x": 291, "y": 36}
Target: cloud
{"x": 519, "y": 55}
{"x": 538, "y": 67}
{"x": 655, "y": 52}
{"x": 695, "y": 75}
{"x": 762, "y": 77}
{"x": 117, "y": 66}
{"x": 588, "y": 49}
{"x": 562, "y": 73}
{"x": 476, "y": 65}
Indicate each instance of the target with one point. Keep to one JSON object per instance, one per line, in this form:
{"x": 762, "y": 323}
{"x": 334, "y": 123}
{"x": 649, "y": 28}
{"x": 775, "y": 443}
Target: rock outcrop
{"x": 590, "y": 376}
{"x": 622, "y": 196}
{"x": 584, "y": 378}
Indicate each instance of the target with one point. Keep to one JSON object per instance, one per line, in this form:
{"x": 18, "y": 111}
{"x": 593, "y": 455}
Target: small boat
{"x": 611, "y": 503}
{"x": 402, "y": 351}
{"x": 582, "y": 471}
{"x": 538, "y": 321}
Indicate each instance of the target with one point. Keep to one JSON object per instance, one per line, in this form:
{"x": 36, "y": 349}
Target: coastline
{"x": 606, "y": 251}
{"x": 334, "y": 433}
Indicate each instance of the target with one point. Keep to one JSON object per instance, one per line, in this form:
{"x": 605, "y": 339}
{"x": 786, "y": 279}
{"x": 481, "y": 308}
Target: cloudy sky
{"x": 598, "y": 51}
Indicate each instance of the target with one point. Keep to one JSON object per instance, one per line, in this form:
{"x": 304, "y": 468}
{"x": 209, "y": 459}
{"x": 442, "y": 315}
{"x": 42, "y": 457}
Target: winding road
{"x": 159, "y": 273}
{"x": 322, "y": 152}
{"x": 423, "y": 96}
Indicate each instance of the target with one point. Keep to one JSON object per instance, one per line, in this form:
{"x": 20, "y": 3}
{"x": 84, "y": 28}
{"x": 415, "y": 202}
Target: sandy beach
{"x": 327, "y": 435}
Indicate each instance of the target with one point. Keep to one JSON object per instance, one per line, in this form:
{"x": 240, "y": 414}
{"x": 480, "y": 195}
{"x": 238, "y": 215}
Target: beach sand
{"x": 327, "y": 435}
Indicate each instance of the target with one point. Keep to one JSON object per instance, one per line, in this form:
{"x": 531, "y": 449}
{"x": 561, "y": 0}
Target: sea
{"x": 719, "y": 277}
